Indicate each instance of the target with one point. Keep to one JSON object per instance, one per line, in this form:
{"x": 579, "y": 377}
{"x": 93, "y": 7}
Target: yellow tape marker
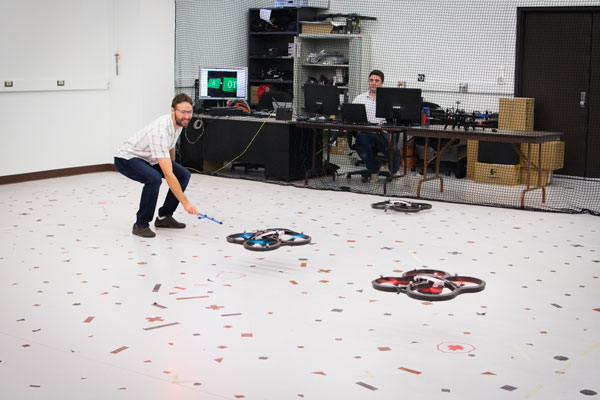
{"x": 521, "y": 352}
{"x": 533, "y": 391}
{"x": 416, "y": 257}
{"x": 562, "y": 371}
{"x": 591, "y": 349}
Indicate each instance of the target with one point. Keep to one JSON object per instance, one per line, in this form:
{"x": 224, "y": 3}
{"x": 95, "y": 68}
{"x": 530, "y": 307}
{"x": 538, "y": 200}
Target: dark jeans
{"x": 151, "y": 176}
{"x": 369, "y": 144}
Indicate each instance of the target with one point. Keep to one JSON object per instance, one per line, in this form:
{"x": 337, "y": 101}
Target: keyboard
{"x": 361, "y": 123}
{"x": 323, "y": 120}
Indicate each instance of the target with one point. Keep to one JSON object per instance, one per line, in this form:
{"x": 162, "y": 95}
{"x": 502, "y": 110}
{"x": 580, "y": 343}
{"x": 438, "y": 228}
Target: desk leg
{"x": 313, "y": 154}
{"x": 436, "y": 157}
{"x": 537, "y": 168}
{"x": 329, "y": 144}
{"x": 324, "y": 162}
{"x": 391, "y": 141}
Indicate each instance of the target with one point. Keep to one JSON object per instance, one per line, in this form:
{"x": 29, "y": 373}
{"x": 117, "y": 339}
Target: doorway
{"x": 558, "y": 64}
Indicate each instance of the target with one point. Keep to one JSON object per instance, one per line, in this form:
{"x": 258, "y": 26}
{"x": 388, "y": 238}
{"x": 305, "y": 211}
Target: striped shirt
{"x": 151, "y": 142}
{"x": 370, "y": 105}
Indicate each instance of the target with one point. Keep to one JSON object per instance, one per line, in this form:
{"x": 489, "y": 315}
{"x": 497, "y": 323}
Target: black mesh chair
{"x": 265, "y": 103}
{"x": 380, "y": 158}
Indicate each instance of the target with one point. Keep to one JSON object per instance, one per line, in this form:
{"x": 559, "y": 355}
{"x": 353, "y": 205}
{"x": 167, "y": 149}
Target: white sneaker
{"x": 374, "y": 178}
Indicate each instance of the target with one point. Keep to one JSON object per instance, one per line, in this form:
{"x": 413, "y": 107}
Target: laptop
{"x": 354, "y": 114}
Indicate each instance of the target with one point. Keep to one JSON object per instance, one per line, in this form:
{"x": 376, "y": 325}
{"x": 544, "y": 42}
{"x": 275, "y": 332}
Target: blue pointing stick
{"x": 200, "y": 216}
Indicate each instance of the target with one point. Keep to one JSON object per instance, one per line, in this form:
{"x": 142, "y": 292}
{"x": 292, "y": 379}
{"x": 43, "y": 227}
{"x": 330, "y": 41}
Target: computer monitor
{"x": 321, "y": 99}
{"x": 223, "y": 83}
{"x": 399, "y": 106}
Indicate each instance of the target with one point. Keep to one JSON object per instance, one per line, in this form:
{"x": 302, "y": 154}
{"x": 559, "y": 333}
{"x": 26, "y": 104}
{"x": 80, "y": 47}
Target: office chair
{"x": 380, "y": 158}
{"x": 265, "y": 103}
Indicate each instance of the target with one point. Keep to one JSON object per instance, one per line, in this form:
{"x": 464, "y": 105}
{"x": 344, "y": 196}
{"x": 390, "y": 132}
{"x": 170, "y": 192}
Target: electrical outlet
{"x": 8, "y": 83}
{"x": 60, "y": 83}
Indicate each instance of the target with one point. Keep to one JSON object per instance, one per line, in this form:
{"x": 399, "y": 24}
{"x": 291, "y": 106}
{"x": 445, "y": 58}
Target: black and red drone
{"x": 429, "y": 284}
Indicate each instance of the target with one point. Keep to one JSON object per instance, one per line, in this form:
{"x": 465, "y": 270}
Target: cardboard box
{"x": 472, "y": 152}
{"x": 553, "y": 154}
{"x": 497, "y": 174}
{"x": 411, "y": 161}
{"x": 340, "y": 146}
{"x": 316, "y": 27}
{"x": 516, "y": 113}
{"x": 530, "y": 176}
{"x": 253, "y": 94}
{"x": 411, "y": 157}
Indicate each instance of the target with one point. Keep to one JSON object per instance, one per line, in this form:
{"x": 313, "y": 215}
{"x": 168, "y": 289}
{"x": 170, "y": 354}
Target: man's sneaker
{"x": 397, "y": 174}
{"x": 143, "y": 231}
{"x": 374, "y": 178}
{"x": 168, "y": 222}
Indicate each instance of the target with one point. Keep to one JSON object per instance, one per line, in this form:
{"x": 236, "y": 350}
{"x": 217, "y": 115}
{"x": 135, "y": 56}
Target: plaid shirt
{"x": 151, "y": 142}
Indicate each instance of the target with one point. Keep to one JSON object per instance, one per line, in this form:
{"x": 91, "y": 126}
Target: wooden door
{"x": 556, "y": 65}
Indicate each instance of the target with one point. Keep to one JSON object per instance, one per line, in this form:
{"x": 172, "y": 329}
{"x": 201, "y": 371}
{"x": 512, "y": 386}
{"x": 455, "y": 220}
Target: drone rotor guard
{"x": 240, "y": 238}
{"x": 268, "y": 239}
{"x": 263, "y": 243}
{"x": 401, "y": 206}
{"x": 291, "y": 238}
{"x": 391, "y": 284}
{"x": 429, "y": 284}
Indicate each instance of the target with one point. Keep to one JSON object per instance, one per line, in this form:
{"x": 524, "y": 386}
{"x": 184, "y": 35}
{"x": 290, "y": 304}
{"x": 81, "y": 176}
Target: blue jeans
{"x": 367, "y": 147}
{"x": 151, "y": 176}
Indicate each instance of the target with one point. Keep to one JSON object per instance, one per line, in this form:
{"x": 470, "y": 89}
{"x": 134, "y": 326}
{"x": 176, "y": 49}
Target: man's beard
{"x": 181, "y": 121}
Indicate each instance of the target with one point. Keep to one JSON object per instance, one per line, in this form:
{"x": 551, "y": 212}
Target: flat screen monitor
{"x": 321, "y": 99}
{"x": 223, "y": 83}
{"x": 399, "y": 106}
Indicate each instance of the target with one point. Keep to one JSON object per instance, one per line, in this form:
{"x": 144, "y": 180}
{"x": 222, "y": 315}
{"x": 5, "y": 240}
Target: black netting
{"x": 481, "y": 66}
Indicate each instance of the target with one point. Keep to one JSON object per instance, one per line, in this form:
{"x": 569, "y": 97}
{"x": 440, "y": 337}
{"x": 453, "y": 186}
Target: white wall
{"x": 44, "y": 127}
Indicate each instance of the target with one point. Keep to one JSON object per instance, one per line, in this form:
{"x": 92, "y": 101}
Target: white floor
{"x": 89, "y": 311}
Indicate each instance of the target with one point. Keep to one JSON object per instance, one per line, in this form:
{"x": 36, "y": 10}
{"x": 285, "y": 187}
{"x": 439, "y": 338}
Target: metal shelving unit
{"x": 355, "y": 51}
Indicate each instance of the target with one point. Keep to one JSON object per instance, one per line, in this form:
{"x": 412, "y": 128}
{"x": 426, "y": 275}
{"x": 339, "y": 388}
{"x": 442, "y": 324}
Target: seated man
{"x": 369, "y": 144}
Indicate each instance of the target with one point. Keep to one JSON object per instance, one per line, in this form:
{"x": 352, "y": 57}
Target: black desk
{"x": 284, "y": 150}
{"x": 390, "y": 131}
{"x": 287, "y": 148}
{"x": 534, "y": 138}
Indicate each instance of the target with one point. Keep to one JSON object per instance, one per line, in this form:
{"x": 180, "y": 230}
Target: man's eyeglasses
{"x": 185, "y": 112}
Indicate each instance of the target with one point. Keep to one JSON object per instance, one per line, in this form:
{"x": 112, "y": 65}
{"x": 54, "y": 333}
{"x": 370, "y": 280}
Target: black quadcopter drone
{"x": 429, "y": 284}
{"x": 268, "y": 239}
{"x": 401, "y": 206}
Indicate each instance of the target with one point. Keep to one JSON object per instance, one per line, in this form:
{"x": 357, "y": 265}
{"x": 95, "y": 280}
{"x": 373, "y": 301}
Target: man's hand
{"x": 167, "y": 168}
{"x": 190, "y": 208}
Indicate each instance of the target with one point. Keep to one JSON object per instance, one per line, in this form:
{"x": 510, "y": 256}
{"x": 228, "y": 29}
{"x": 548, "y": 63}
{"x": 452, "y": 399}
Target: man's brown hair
{"x": 181, "y": 98}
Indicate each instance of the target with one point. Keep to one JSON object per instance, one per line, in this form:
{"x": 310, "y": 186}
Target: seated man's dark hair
{"x": 377, "y": 73}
